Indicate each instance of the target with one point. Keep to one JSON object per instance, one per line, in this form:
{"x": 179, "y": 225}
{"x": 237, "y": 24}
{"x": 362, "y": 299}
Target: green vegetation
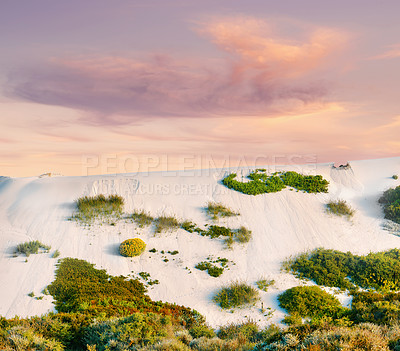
{"x": 56, "y": 254}
{"x": 132, "y": 247}
{"x": 260, "y": 182}
{"x": 214, "y": 268}
{"x": 340, "y": 208}
{"x": 91, "y": 208}
{"x": 31, "y": 247}
{"x": 264, "y": 284}
{"x": 395, "y": 176}
{"x": 165, "y": 223}
{"x": 243, "y": 235}
{"x": 142, "y": 218}
{"x": 217, "y": 210}
{"x": 312, "y": 302}
{"x": 391, "y": 204}
{"x": 380, "y": 271}
{"x": 235, "y": 295}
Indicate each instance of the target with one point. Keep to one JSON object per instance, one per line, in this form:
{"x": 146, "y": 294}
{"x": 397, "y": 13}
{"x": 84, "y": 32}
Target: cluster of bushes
{"x": 214, "y": 268}
{"x": 260, "y": 182}
{"x": 380, "y": 271}
{"x": 340, "y": 208}
{"x": 241, "y": 235}
{"x": 132, "y": 247}
{"x": 235, "y": 295}
{"x": 90, "y": 208}
{"x": 217, "y": 210}
{"x": 391, "y": 204}
{"x": 31, "y": 247}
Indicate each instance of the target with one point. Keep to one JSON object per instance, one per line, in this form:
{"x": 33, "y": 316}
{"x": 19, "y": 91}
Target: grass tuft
{"x": 217, "y": 210}
{"x": 340, "y": 208}
{"x": 142, "y": 218}
{"x": 264, "y": 284}
{"x": 165, "y": 223}
{"x": 31, "y": 247}
{"x": 235, "y": 295}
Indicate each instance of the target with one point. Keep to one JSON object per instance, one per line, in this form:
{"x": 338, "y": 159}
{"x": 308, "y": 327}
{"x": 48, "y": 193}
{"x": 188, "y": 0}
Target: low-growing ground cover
{"x": 217, "y": 210}
{"x": 340, "y": 208}
{"x": 32, "y": 247}
{"x": 142, "y": 218}
{"x": 236, "y": 294}
{"x": 380, "y": 271}
{"x": 260, "y": 182}
{"x": 214, "y": 268}
{"x": 391, "y": 204}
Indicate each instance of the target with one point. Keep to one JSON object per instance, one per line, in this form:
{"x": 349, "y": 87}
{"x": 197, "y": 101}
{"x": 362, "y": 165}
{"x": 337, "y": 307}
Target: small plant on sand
{"x": 264, "y": 284}
{"x": 243, "y": 235}
{"x": 217, "y": 210}
{"x": 340, "y": 208}
{"x": 235, "y": 295}
{"x": 56, "y": 254}
{"x": 90, "y": 208}
{"x": 164, "y": 223}
{"x": 391, "y": 204}
{"x": 395, "y": 176}
{"x": 32, "y": 247}
{"x": 132, "y": 247}
{"x": 142, "y": 218}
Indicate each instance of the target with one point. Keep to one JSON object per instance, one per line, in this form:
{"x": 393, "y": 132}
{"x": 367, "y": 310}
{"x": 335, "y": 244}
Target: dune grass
{"x": 264, "y": 284}
{"x": 340, "y": 208}
{"x": 166, "y": 223}
{"x": 235, "y": 295}
{"x": 31, "y": 247}
{"x": 142, "y": 218}
{"x": 217, "y": 210}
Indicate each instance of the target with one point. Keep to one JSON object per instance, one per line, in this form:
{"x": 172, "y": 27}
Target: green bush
{"x": 340, "y": 208}
{"x": 132, "y": 247}
{"x": 261, "y": 183}
{"x": 235, "y": 295}
{"x": 211, "y": 269}
{"x": 31, "y": 247}
{"x": 165, "y": 223}
{"x": 216, "y": 210}
{"x": 203, "y": 330}
{"x": 90, "y": 208}
{"x": 142, "y": 218}
{"x": 395, "y": 176}
{"x": 56, "y": 254}
{"x": 309, "y": 301}
{"x": 391, "y": 204}
{"x": 243, "y": 235}
{"x": 380, "y": 271}
{"x": 247, "y": 331}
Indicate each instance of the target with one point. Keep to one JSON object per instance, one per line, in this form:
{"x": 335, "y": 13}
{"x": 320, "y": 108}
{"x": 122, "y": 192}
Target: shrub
{"x": 247, "y": 331}
{"x": 309, "y": 301}
{"x": 380, "y": 270}
{"x": 142, "y": 218}
{"x": 243, "y": 235}
{"x": 132, "y": 247}
{"x": 216, "y": 210}
{"x": 165, "y": 223}
{"x": 31, "y": 247}
{"x": 199, "y": 331}
{"x": 90, "y": 208}
{"x": 264, "y": 284}
{"x": 391, "y": 204}
{"x": 261, "y": 183}
{"x": 235, "y": 295}
{"x": 212, "y": 270}
{"x": 56, "y": 254}
{"x": 340, "y": 208}
{"x": 395, "y": 176}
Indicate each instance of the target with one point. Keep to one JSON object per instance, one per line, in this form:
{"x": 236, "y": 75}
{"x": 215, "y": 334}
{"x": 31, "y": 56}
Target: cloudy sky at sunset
{"x": 118, "y": 85}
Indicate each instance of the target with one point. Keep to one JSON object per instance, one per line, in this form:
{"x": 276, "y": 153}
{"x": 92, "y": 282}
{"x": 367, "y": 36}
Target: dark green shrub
{"x": 90, "y": 208}
{"x": 216, "y": 210}
{"x": 56, "y": 254}
{"x": 309, "y": 301}
{"x": 165, "y": 223}
{"x": 199, "y": 331}
{"x": 391, "y": 204}
{"x": 132, "y": 247}
{"x": 31, "y": 247}
{"x": 235, "y": 295}
{"x": 340, "y": 208}
{"x": 142, "y": 218}
{"x": 211, "y": 269}
{"x": 247, "y": 331}
{"x": 395, "y": 176}
{"x": 261, "y": 183}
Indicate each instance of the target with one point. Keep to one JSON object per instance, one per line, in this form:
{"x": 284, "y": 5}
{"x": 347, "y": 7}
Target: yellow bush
{"x": 132, "y": 247}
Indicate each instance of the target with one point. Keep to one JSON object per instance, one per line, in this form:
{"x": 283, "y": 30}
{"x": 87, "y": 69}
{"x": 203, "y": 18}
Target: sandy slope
{"x": 283, "y": 224}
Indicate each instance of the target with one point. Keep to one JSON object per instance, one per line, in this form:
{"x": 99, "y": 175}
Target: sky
{"x": 100, "y": 86}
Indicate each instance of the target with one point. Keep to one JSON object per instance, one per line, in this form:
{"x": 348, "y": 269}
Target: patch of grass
{"x": 166, "y": 223}
{"x": 340, "y": 208}
{"x": 260, "y": 182}
{"x": 142, "y": 218}
{"x": 212, "y": 270}
{"x": 56, "y": 254}
{"x": 31, "y": 294}
{"x": 391, "y": 204}
{"x": 217, "y": 210}
{"x": 31, "y": 247}
{"x": 264, "y": 284}
{"x": 90, "y": 208}
{"x": 235, "y": 295}
{"x": 243, "y": 235}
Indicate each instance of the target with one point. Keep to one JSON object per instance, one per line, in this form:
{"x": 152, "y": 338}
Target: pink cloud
{"x": 263, "y": 75}
{"x": 391, "y": 53}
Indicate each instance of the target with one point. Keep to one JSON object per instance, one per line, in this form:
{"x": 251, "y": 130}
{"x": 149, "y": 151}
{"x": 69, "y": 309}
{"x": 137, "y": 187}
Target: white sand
{"x": 283, "y": 224}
